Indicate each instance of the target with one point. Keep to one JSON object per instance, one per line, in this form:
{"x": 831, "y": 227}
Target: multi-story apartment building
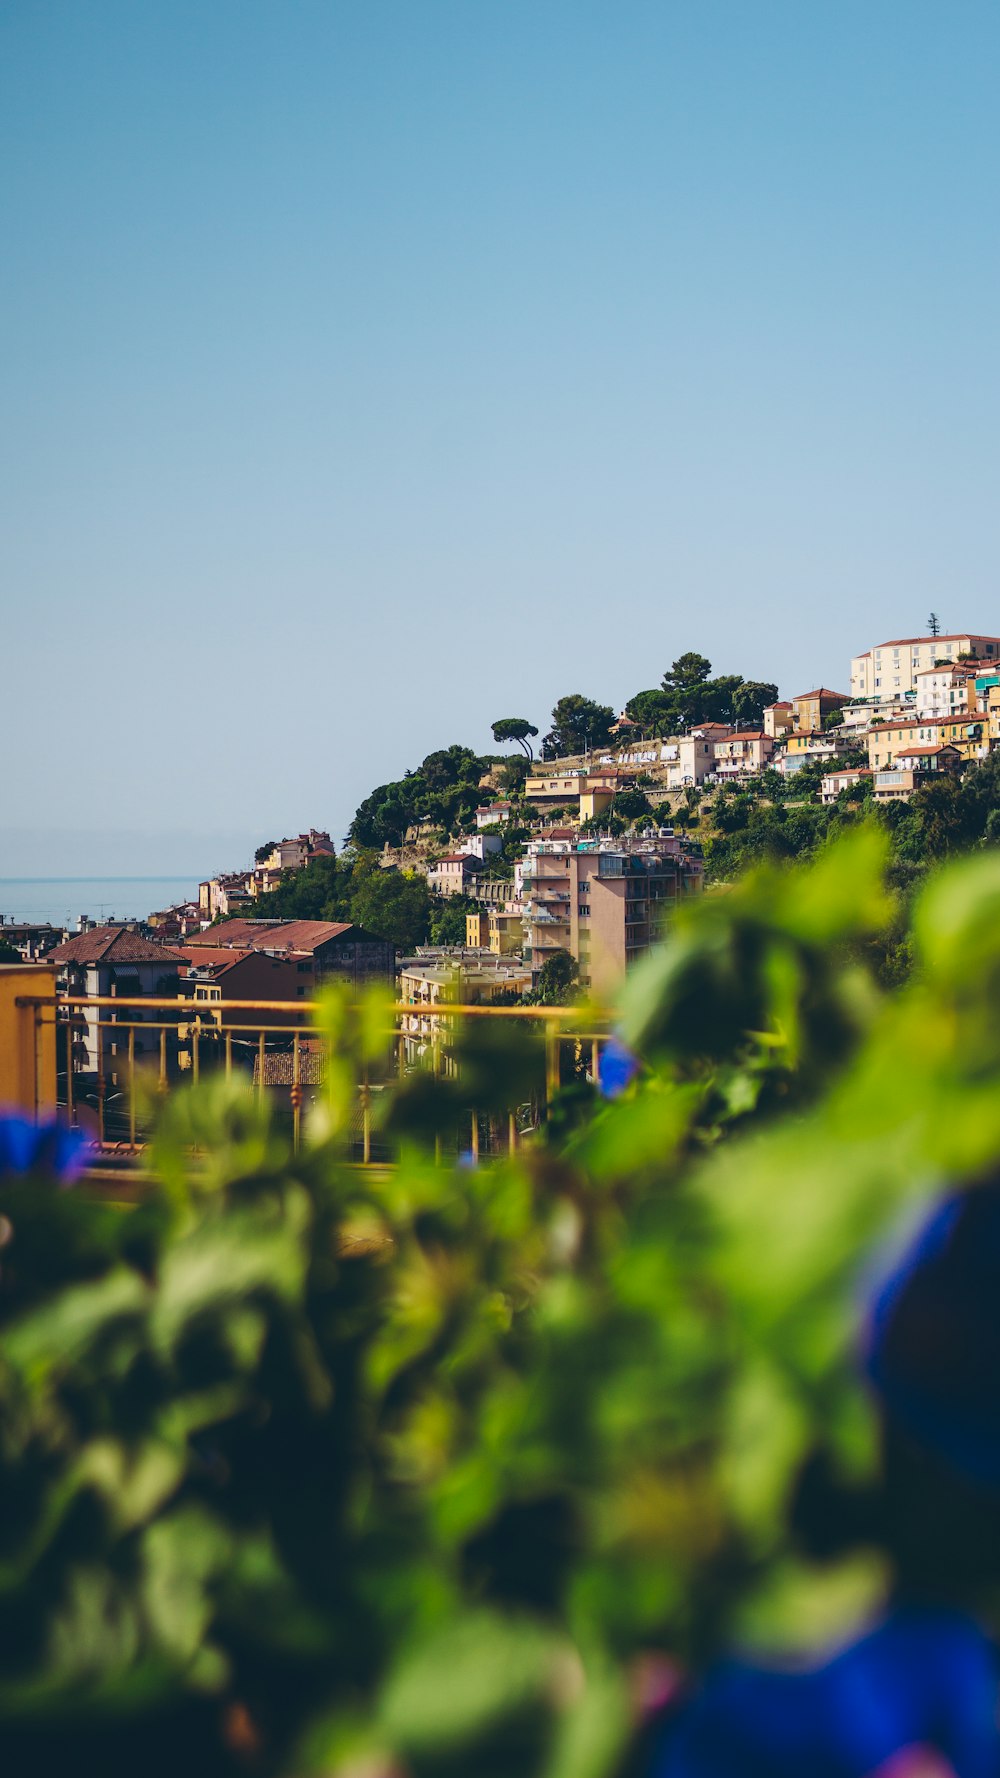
{"x": 810, "y": 707}
{"x": 466, "y": 977}
{"x": 947, "y": 691}
{"x": 887, "y": 740}
{"x": 743, "y": 754}
{"x": 890, "y": 669}
{"x": 603, "y": 900}
{"x": 910, "y": 769}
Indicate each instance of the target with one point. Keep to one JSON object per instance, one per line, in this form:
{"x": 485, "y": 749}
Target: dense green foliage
{"x": 305, "y": 1468}
{"x": 444, "y": 791}
{"x": 389, "y": 904}
{"x": 689, "y": 695}
{"x": 577, "y": 723}
{"x": 946, "y": 816}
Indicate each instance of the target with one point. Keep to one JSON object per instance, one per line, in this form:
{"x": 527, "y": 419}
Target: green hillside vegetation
{"x": 772, "y": 820}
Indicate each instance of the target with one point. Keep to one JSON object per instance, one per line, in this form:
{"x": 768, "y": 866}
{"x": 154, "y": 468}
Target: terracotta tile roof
{"x": 822, "y": 691}
{"x": 912, "y": 752}
{"x": 962, "y": 717}
{"x": 112, "y": 944}
{"x": 270, "y": 935}
{"x": 956, "y": 636}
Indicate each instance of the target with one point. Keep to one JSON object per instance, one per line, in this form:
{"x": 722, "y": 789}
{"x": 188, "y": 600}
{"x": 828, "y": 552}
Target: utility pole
{"x": 934, "y": 624}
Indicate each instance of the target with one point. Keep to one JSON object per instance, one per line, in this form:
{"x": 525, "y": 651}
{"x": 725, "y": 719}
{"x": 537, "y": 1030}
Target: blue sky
{"x": 374, "y": 370}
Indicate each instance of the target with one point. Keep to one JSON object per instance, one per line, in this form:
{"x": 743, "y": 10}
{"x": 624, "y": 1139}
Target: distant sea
{"x": 62, "y": 900}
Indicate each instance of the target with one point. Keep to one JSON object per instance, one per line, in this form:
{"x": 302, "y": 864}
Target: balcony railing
{"x": 102, "y": 1061}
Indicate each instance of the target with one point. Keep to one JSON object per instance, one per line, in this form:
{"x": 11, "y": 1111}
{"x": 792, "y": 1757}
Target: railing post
{"x": 366, "y": 1122}
{"x": 101, "y": 1084}
{"x": 296, "y": 1093}
{"x": 70, "y": 1058}
{"x": 131, "y": 1085}
{"x": 436, "y": 1062}
{"x": 551, "y": 1059}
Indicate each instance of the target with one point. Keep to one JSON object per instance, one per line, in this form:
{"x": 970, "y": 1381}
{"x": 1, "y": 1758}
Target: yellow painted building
{"x": 889, "y": 739}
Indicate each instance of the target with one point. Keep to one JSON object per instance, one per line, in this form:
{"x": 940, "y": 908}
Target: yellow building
{"x": 477, "y": 931}
{"x": 595, "y": 801}
{"x": 970, "y": 735}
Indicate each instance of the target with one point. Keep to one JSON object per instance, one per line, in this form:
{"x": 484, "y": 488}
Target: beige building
{"x": 890, "y": 669}
{"x": 910, "y": 769}
{"x": 603, "y": 901}
{"x": 691, "y": 758}
{"x": 453, "y": 873}
{"x": 779, "y": 719}
{"x": 467, "y": 978}
{"x": 743, "y": 755}
{"x": 810, "y": 707}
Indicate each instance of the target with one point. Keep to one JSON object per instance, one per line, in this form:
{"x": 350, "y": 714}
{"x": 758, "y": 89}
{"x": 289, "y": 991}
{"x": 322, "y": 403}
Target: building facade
{"x": 890, "y": 669}
{"x": 604, "y": 901}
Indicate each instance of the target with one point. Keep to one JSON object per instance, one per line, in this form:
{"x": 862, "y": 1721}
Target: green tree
{"x": 394, "y": 905}
{"x": 685, "y": 683}
{"x": 8, "y": 953}
{"x": 264, "y": 851}
{"x": 577, "y": 723}
{"x": 751, "y": 698}
{"x": 634, "y": 805}
{"x": 448, "y": 919}
{"x": 557, "y": 980}
{"x": 653, "y": 710}
{"x": 515, "y": 728}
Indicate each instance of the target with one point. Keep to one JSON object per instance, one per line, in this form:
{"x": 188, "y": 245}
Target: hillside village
{"x": 510, "y": 877}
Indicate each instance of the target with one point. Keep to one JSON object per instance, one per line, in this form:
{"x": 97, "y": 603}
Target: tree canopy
{"x": 443, "y": 791}
{"x": 577, "y": 723}
{"x": 515, "y": 728}
{"x": 689, "y": 695}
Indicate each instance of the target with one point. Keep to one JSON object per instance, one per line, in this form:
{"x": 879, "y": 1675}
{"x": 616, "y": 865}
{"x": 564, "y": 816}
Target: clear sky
{"x": 373, "y": 370}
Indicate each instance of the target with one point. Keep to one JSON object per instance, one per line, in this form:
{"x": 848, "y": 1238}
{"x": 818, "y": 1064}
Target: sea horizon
{"x": 62, "y": 900}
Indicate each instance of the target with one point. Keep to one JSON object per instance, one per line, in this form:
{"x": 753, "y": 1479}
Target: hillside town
{"x": 516, "y": 878}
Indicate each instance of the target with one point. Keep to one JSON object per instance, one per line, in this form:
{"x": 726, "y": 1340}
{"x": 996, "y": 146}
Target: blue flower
{"x": 923, "y": 1680}
{"x": 617, "y": 1068}
{"x": 50, "y": 1148}
{"x": 932, "y": 1344}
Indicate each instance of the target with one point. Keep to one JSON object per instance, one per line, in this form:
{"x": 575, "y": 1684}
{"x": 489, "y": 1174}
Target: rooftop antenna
{"x": 934, "y": 624}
